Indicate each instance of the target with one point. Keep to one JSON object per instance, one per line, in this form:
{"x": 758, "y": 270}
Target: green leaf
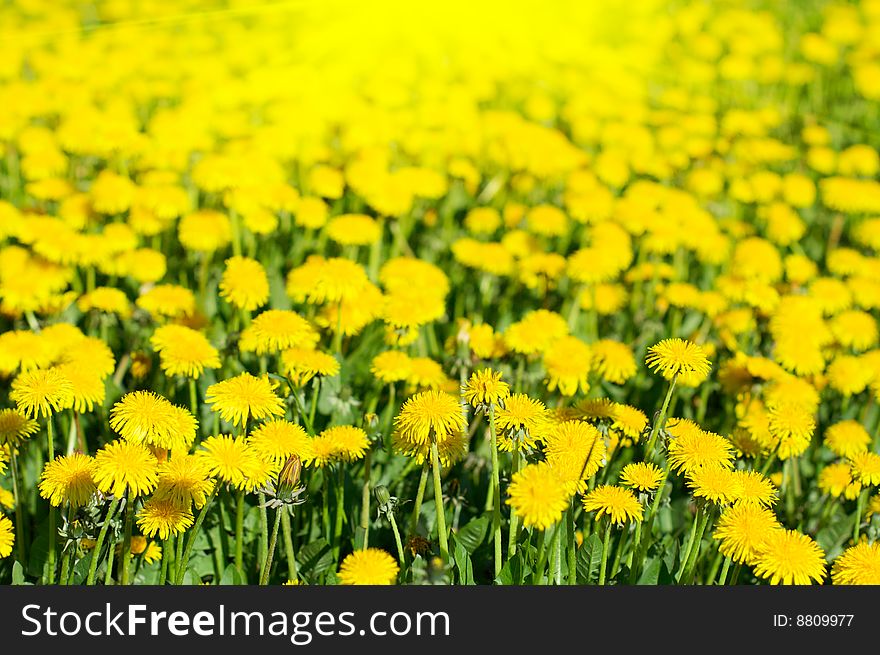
{"x": 589, "y": 556}
{"x": 463, "y": 564}
{"x": 18, "y": 575}
{"x": 473, "y": 534}
{"x": 315, "y": 559}
{"x": 38, "y": 553}
{"x": 512, "y": 573}
{"x": 832, "y": 537}
{"x": 231, "y": 576}
{"x": 651, "y": 573}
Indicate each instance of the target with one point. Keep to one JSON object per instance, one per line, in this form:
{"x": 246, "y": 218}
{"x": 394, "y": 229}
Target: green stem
{"x": 687, "y": 578}
{"x": 340, "y": 512}
{"x": 102, "y": 536}
{"x": 724, "y": 570}
{"x": 365, "y": 501}
{"x": 289, "y": 553}
{"x": 125, "y": 554}
{"x": 496, "y": 491}
{"x": 193, "y": 398}
{"x": 53, "y": 534}
{"x": 606, "y": 544}
{"x": 513, "y": 536}
{"x": 438, "y": 502}
{"x": 239, "y": 530}
{"x": 273, "y": 540}
{"x": 264, "y": 530}
{"x": 194, "y": 532}
{"x": 621, "y": 543}
{"x": 860, "y": 510}
{"x": 19, "y": 503}
{"x": 649, "y": 524}
{"x": 420, "y": 496}
{"x": 397, "y": 541}
{"x": 166, "y": 557}
{"x": 572, "y": 545}
{"x": 538, "y": 574}
{"x": 661, "y": 419}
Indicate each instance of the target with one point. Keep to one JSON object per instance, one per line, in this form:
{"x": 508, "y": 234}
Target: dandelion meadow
{"x": 458, "y": 293}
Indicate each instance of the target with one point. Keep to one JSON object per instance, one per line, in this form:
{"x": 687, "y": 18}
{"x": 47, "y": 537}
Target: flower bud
{"x": 383, "y": 496}
{"x": 288, "y": 477}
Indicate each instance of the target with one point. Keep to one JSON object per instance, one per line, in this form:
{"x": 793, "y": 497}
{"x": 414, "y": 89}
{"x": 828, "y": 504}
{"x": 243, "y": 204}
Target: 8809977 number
{"x": 823, "y": 620}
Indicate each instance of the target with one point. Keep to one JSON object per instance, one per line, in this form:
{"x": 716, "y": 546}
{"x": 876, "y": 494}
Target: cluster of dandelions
{"x": 313, "y": 320}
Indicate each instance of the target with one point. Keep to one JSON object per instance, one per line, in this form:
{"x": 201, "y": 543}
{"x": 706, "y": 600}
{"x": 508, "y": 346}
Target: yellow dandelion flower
{"x": 163, "y": 518}
{"x": 643, "y": 476}
{"x": 755, "y": 488}
{"x": 613, "y": 361}
{"x": 674, "y": 357}
{"x": 7, "y": 536}
{"x": 576, "y": 450}
{"x": 333, "y": 280}
{"x": 835, "y": 479}
{"x": 520, "y": 423}
{"x": 277, "y": 329}
{"x": 618, "y": 504}
{"x": 184, "y": 351}
{"x": 68, "y": 479}
{"x": 302, "y": 364}
{"x": 694, "y": 449}
{"x": 859, "y": 565}
{"x": 354, "y": 230}
{"x": 792, "y": 425}
{"x": 349, "y": 443}
{"x": 41, "y": 392}
{"x": 244, "y": 397}
{"x": 15, "y": 428}
{"x": 536, "y": 332}
{"x": 847, "y": 438}
{"x": 742, "y": 529}
{"x": 153, "y": 553}
{"x": 105, "y": 299}
{"x": 790, "y": 558}
{"x": 716, "y": 484}
{"x": 538, "y": 496}
{"x": 429, "y": 415}
{"x": 229, "y": 459}
{"x": 631, "y": 421}
{"x": 184, "y": 480}
{"x": 568, "y": 363}
{"x": 277, "y": 440}
{"x": 371, "y": 566}
{"x": 391, "y": 366}
{"x": 124, "y": 466}
{"x": 485, "y": 388}
{"x": 866, "y": 468}
{"x": 143, "y": 416}
{"x": 244, "y": 283}
{"x": 168, "y": 301}
{"x": 88, "y": 387}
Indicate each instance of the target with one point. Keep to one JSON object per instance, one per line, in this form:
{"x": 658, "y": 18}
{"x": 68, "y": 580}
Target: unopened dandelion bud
{"x": 383, "y": 496}
{"x": 288, "y": 478}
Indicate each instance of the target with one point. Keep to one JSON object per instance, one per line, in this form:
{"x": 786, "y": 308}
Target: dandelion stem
{"x": 53, "y": 536}
{"x": 722, "y": 580}
{"x": 572, "y": 545}
{"x": 239, "y": 530}
{"x": 538, "y": 574}
{"x": 264, "y": 530}
{"x": 194, "y": 532}
{"x": 102, "y": 535}
{"x": 496, "y": 491}
{"x": 606, "y": 545}
{"x": 860, "y": 510}
{"x": 166, "y": 556}
{"x": 19, "y": 503}
{"x": 273, "y": 541}
{"x": 125, "y": 554}
{"x": 513, "y": 536}
{"x": 621, "y": 543}
{"x": 193, "y": 398}
{"x": 340, "y": 512}
{"x": 694, "y": 555}
{"x": 397, "y": 541}
{"x": 289, "y": 553}
{"x": 649, "y": 524}
{"x": 438, "y": 502}
{"x": 420, "y": 496}
{"x": 365, "y": 501}
{"x": 661, "y": 419}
